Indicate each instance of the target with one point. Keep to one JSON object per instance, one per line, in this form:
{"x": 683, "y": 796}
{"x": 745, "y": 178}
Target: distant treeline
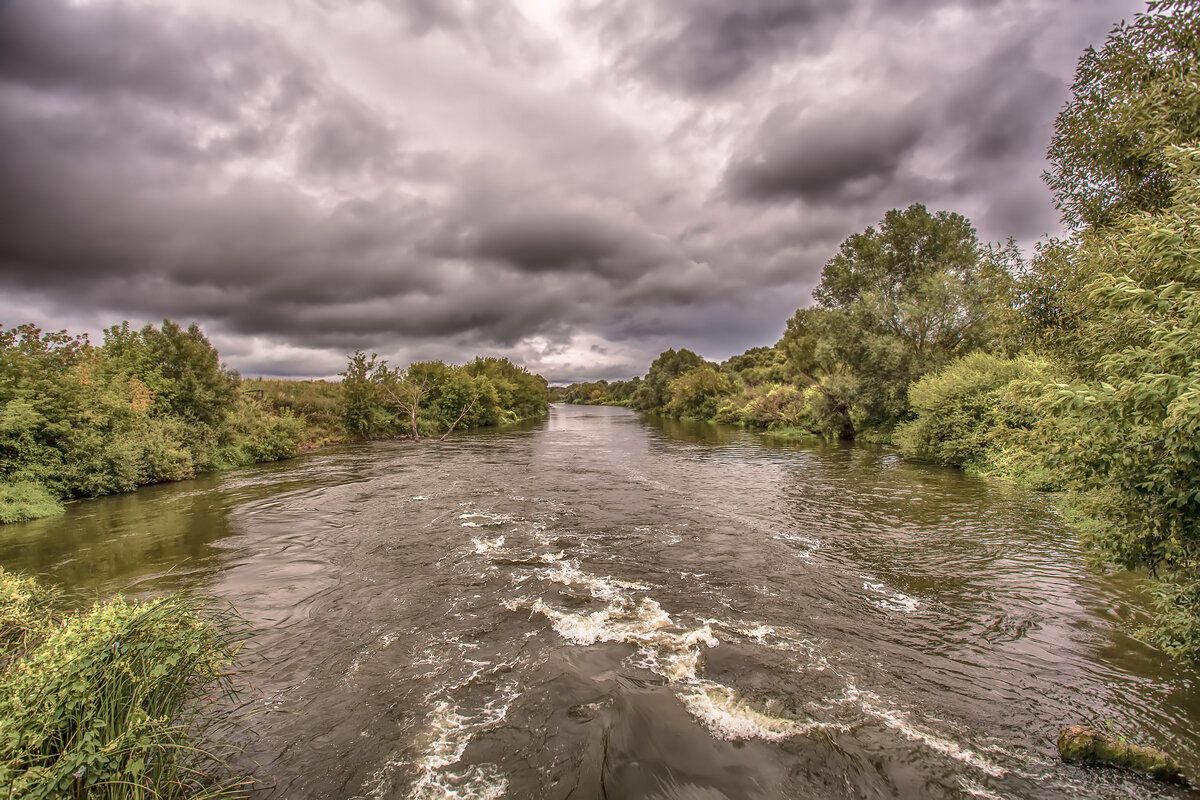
{"x": 156, "y": 404}
{"x": 1078, "y": 370}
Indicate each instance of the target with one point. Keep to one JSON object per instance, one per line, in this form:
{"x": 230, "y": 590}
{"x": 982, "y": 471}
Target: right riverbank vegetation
{"x": 1075, "y": 370}
{"x": 156, "y": 404}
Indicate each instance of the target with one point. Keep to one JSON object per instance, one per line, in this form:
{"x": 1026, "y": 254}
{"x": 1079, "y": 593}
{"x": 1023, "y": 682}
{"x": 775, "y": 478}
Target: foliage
{"x": 147, "y": 406}
{"x": 1130, "y": 102}
{"x": 24, "y": 612}
{"x": 893, "y": 304}
{"x": 318, "y": 403}
{"x": 963, "y": 410}
{"x": 597, "y": 393}
{"x": 766, "y": 405}
{"x": 431, "y": 398}
{"x": 697, "y": 393}
{"x": 26, "y": 500}
{"x": 109, "y": 703}
{"x": 758, "y": 365}
{"x": 520, "y": 393}
{"x": 1133, "y": 449}
{"x": 652, "y": 394}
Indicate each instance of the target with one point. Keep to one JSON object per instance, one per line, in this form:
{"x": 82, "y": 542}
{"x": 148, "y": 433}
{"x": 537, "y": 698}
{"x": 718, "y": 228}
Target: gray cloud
{"x": 706, "y": 46}
{"x": 434, "y": 180}
{"x": 820, "y": 159}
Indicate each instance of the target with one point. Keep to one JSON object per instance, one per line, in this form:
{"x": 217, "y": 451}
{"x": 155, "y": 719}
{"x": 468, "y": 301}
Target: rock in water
{"x": 1082, "y": 745}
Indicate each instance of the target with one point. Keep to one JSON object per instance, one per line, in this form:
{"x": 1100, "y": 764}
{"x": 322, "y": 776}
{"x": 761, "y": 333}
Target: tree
{"x": 408, "y": 388}
{"x": 922, "y": 278}
{"x": 1128, "y": 439}
{"x": 362, "y": 393}
{"x": 896, "y": 303}
{"x": 697, "y": 393}
{"x": 1131, "y": 101}
{"x": 651, "y": 395}
{"x": 194, "y": 383}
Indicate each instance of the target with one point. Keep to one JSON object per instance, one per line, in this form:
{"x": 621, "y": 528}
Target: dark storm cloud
{"x": 116, "y": 51}
{"x": 120, "y": 146}
{"x": 547, "y": 243}
{"x": 440, "y": 179}
{"x": 819, "y": 158}
{"x": 968, "y": 139}
{"x": 707, "y": 45}
{"x": 536, "y": 242}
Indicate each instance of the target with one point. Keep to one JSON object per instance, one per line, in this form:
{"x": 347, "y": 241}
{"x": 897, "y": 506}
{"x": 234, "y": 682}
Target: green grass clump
{"x": 25, "y": 500}
{"x": 111, "y": 703}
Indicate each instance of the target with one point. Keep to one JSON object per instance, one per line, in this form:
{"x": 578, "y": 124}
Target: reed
{"x": 114, "y": 702}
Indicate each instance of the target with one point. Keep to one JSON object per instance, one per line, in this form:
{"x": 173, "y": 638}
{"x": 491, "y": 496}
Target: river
{"x": 604, "y": 606}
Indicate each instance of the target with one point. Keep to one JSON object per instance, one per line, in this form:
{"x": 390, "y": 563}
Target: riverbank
{"x": 156, "y": 405}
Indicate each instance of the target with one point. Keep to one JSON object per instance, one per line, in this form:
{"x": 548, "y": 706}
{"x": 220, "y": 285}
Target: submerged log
{"x": 1082, "y": 745}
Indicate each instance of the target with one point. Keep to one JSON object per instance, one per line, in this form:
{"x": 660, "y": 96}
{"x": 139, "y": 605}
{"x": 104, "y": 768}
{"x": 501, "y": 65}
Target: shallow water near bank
{"x": 600, "y": 605}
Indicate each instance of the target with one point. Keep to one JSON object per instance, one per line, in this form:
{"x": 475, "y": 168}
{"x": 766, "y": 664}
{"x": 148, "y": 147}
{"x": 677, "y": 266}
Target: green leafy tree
{"x": 194, "y": 384}
{"x": 758, "y": 365}
{"x": 652, "y": 394}
{"x": 1131, "y": 453}
{"x": 896, "y": 303}
{"x": 364, "y": 408}
{"x": 1130, "y": 102}
{"x": 697, "y": 393}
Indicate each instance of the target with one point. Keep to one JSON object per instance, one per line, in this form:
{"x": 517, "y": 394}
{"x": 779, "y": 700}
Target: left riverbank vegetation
{"x": 156, "y": 404}
{"x": 116, "y": 701}
{"x": 1077, "y": 370}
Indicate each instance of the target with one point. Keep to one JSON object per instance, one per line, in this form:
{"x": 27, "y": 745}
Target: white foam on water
{"x": 899, "y": 721}
{"x": 489, "y": 520}
{"x": 778, "y": 638}
{"x": 487, "y": 545}
{"x": 975, "y": 790}
{"x": 600, "y": 587}
{"x": 669, "y": 650}
{"x": 889, "y": 599}
{"x": 448, "y": 732}
{"x": 476, "y": 782}
{"x": 417, "y": 497}
{"x": 728, "y": 715}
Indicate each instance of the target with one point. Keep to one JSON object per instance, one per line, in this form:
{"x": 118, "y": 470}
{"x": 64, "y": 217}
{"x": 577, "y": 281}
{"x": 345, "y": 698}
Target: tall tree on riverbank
{"x": 897, "y": 302}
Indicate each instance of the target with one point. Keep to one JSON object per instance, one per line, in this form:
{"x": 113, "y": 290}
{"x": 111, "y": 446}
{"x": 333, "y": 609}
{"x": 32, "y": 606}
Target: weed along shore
{"x": 113, "y": 701}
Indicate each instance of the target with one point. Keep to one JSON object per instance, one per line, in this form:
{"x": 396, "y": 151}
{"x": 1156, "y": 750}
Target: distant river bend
{"x": 601, "y": 606}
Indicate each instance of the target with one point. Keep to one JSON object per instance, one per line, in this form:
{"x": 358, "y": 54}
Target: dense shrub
{"x": 430, "y": 398}
{"x": 697, "y": 393}
{"x": 960, "y": 409}
{"x": 26, "y": 500}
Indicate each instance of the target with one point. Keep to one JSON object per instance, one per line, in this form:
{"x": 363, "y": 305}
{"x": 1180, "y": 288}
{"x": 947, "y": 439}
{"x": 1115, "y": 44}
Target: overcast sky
{"x": 577, "y": 185}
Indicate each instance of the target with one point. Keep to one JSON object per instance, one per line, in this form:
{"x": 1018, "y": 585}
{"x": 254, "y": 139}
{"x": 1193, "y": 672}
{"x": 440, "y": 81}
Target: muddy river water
{"x": 605, "y": 606}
